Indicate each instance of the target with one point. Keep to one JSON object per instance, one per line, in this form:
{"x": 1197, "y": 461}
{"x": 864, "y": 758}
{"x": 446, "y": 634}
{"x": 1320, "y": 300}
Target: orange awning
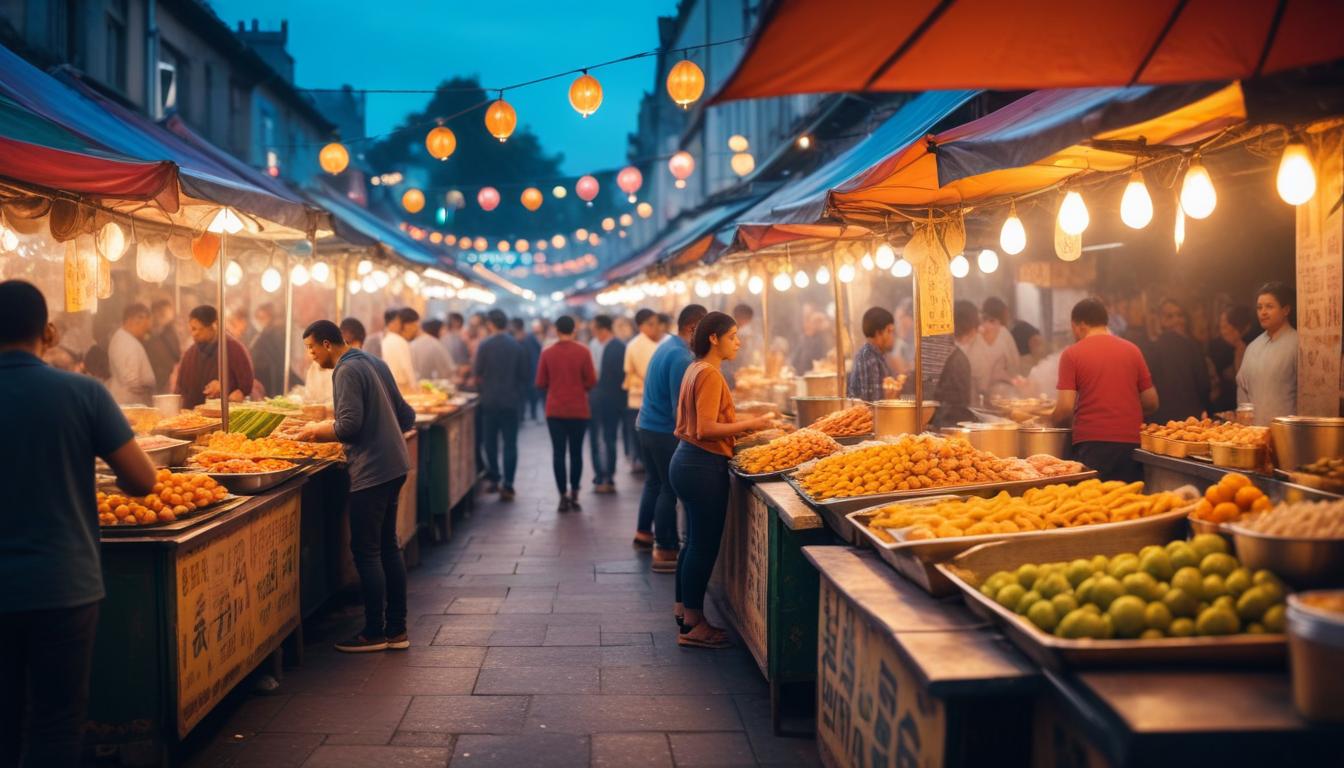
{"x": 823, "y": 46}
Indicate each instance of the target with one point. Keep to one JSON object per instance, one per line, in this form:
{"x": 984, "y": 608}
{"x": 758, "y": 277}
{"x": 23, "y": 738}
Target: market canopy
{"x": 679, "y": 233}
{"x": 361, "y": 227}
{"x": 827, "y": 46}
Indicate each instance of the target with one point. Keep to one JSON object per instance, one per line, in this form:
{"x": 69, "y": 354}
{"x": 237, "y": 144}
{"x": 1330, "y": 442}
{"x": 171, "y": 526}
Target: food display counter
{"x": 1161, "y": 473}
{"x": 447, "y": 465}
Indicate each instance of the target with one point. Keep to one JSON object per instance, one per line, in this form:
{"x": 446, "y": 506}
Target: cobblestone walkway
{"x": 539, "y": 639}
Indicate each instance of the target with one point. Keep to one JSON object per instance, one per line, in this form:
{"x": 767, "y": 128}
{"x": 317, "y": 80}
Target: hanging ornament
{"x": 111, "y": 241}
{"x": 685, "y": 83}
{"x": 682, "y": 165}
{"x": 1013, "y": 236}
{"x": 1073, "y": 218}
{"x": 531, "y": 198}
{"x": 233, "y": 274}
{"x": 179, "y": 244}
{"x": 488, "y": 198}
{"x": 644, "y": 210}
{"x": 500, "y": 119}
{"x": 558, "y": 241}
{"x": 1198, "y": 197}
{"x": 959, "y": 266}
{"x": 1296, "y": 180}
{"x": 585, "y": 94}
{"x": 738, "y": 143}
{"x": 781, "y": 282}
{"x": 205, "y": 249}
{"x": 413, "y": 200}
{"x": 441, "y": 142}
{"x": 630, "y": 180}
{"x": 151, "y": 259}
{"x": 586, "y": 188}
{"x": 1136, "y": 206}
{"x": 333, "y": 158}
{"x": 755, "y": 284}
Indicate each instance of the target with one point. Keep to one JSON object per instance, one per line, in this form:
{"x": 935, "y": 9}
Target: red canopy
{"x": 812, "y": 46}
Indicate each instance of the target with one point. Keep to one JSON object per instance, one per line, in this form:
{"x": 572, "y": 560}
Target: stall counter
{"x": 1167, "y": 473}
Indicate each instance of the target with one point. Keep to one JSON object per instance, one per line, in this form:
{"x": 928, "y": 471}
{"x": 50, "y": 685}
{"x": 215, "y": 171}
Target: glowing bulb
{"x": 370, "y": 285}
{"x": 781, "y": 282}
{"x": 299, "y": 275}
{"x": 558, "y": 241}
{"x": 823, "y": 275}
{"x": 729, "y": 286}
{"x": 225, "y": 221}
{"x": 644, "y": 210}
{"x": 1136, "y": 207}
{"x": 1179, "y": 235}
{"x": 1013, "y": 236}
{"x": 320, "y": 272}
{"x": 559, "y": 192}
{"x": 1296, "y": 181}
{"x": 9, "y": 239}
{"x": 988, "y": 261}
{"x": 270, "y": 280}
{"x": 800, "y": 279}
{"x": 1198, "y": 197}
{"x": 737, "y": 142}
{"x": 902, "y": 268}
{"x": 353, "y": 286}
{"x": 884, "y": 257}
{"x": 411, "y": 279}
{"x": 1073, "y": 218}
{"x": 959, "y": 265}
{"x": 364, "y": 267}
{"x": 867, "y": 262}
{"x": 846, "y": 273}
{"x": 381, "y": 278}
{"x": 702, "y": 289}
{"x": 804, "y": 141}
{"x": 756, "y": 284}
{"x": 112, "y": 241}
{"x": 233, "y": 274}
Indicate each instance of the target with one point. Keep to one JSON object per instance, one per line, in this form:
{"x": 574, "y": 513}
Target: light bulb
{"x": 1073, "y": 218}
{"x": 320, "y": 272}
{"x": 353, "y": 286}
{"x": 225, "y": 221}
{"x": 846, "y": 273}
{"x": 370, "y": 285}
{"x": 299, "y": 275}
{"x": 988, "y": 261}
{"x": 884, "y": 257}
{"x": 959, "y": 265}
{"x": 801, "y": 279}
{"x": 1136, "y": 207}
{"x": 411, "y": 279}
{"x": 233, "y": 274}
{"x": 270, "y": 280}
{"x": 1013, "y": 236}
{"x": 729, "y": 286}
{"x": 9, "y": 239}
{"x": 1179, "y": 235}
{"x": 756, "y": 284}
{"x": 781, "y": 282}
{"x": 365, "y": 267}
{"x": 823, "y": 275}
{"x": 112, "y": 241}
{"x": 1198, "y": 197}
{"x": 380, "y": 278}
{"x": 703, "y": 289}
{"x": 867, "y": 262}
{"x": 902, "y": 268}
{"x": 1297, "y": 178}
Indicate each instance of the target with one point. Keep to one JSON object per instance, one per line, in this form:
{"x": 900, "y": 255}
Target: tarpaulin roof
{"x": 1035, "y": 142}
{"x": 360, "y": 226}
{"x": 681, "y": 231}
{"x": 818, "y": 46}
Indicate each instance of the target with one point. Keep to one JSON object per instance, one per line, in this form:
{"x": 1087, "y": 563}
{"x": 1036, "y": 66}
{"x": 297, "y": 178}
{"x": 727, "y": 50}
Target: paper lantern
{"x": 1296, "y": 179}
{"x": 959, "y": 266}
{"x": 608, "y": 224}
{"x": 1013, "y": 236}
{"x": 320, "y": 271}
{"x": 645, "y": 210}
{"x": 738, "y": 143}
{"x": 413, "y": 200}
{"x": 111, "y": 241}
{"x": 884, "y": 257}
{"x": 480, "y": 243}
{"x": 334, "y": 158}
{"x": 585, "y": 94}
{"x": 682, "y": 165}
{"x": 558, "y": 241}
{"x": 488, "y": 198}
{"x": 441, "y": 142}
{"x": 1073, "y": 218}
{"x": 531, "y": 198}
{"x": 630, "y": 180}
{"x": 626, "y": 219}
{"x": 500, "y": 119}
{"x": 685, "y": 83}
{"x": 205, "y": 249}
{"x": 988, "y": 261}
{"x": 586, "y": 188}
{"x": 901, "y": 268}
{"x": 743, "y": 163}
{"x": 233, "y": 274}
{"x": 520, "y": 245}
{"x": 581, "y": 233}
{"x": 151, "y": 259}
{"x": 559, "y": 192}
{"x": 270, "y": 280}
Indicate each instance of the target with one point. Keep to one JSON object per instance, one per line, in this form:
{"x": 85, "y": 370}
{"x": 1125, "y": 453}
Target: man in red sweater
{"x": 565, "y": 373}
{"x": 198, "y": 374}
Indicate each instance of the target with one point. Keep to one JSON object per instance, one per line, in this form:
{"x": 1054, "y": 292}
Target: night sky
{"x": 366, "y": 45}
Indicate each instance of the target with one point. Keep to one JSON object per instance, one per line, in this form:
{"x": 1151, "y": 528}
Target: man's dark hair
{"x": 517, "y": 324}
{"x": 432, "y": 327}
{"x": 1090, "y": 312}
{"x": 205, "y": 315}
{"x": 995, "y": 308}
{"x": 690, "y": 317}
{"x": 353, "y": 328}
{"x": 743, "y": 312}
{"x": 643, "y": 315}
{"x": 134, "y": 310}
{"x": 1281, "y": 293}
{"x": 324, "y": 330}
{"x": 456, "y": 319}
{"x": 876, "y": 320}
{"x": 23, "y": 312}
{"x": 160, "y": 304}
{"x": 1240, "y": 316}
{"x": 665, "y": 319}
{"x": 390, "y": 314}
{"x": 965, "y": 317}
{"x": 564, "y": 325}
{"x": 712, "y": 324}
{"x": 498, "y": 320}
{"x": 603, "y": 322}
{"x": 409, "y": 315}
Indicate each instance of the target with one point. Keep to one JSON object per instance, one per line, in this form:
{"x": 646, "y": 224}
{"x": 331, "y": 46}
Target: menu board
{"x": 935, "y": 294}
{"x": 237, "y": 598}
{"x": 871, "y": 711}
{"x": 1320, "y": 286}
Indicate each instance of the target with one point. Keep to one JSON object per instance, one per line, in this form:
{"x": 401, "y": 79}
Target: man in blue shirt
{"x": 656, "y": 423}
{"x": 55, "y": 423}
{"x": 371, "y": 417}
{"x": 502, "y": 381}
{"x": 870, "y": 368}
{"x": 607, "y": 401}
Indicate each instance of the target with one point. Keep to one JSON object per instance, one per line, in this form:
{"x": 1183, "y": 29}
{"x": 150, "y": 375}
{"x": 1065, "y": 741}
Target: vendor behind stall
{"x": 1267, "y": 378}
{"x": 954, "y": 383}
{"x": 871, "y": 371}
{"x": 198, "y": 373}
{"x": 1104, "y": 391}
{"x": 1176, "y": 361}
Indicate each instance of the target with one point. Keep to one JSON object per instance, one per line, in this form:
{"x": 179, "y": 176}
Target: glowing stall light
{"x": 585, "y": 94}
{"x": 1198, "y": 197}
{"x": 738, "y": 143}
{"x": 488, "y": 198}
{"x": 781, "y": 282}
{"x": 1013, "y": 236}
{"x": 867, "y": 262}
{"x": 681, "y": 165}
{"x": 299, "y": 275}
{"x": 111, "y": 242}
{"x": 233, "y": 273}
{"x": 1136, "y": 206}
{"x": 845, "y": 273}
{"x": 413, "y": 200}
{"x": 645, "y": 210}
{"x": 500, "y": 119}
{"x": 586, "y": 188}
{"x": 441, "y": 142}
{"x": 364, "y": 267}
{"x": 630, "y": 180}
{"x": 1296, "y": 180}
{"x": 1073, "y": 217}
{"x": 559, "y": 192}
{"x": 742, "y": 163}
{"x": 902, "y": 268}
{"x": 702, "y": 289}
{"x": 801, "y": 279}
{"x": 823, "y": 276}
{"x": 320, "y": 272}
{"x": 558, "y": 241}
{"x": 381, "y": 278}
{"x": 884, "y": 257}
{"x": 225, "y": 222}
{"x": 370, "y": 284}
{"x": 411, "y": 279}
{"x": 271, "y": 280}
{"x": 959, "y": 266}
{"x": 354, "y": 287}
{"x": 685, "y": 83}
{"x": 557, "y": 295}
{"x": 988, "y": 261}
{"x": 333, "y": 158}
{"x": 1179, "y": 235}
{"x": 531, "y": 198}
{"x": 755, "y": 284}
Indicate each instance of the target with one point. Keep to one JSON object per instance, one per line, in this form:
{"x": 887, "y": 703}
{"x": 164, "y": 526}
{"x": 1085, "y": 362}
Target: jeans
{"x": 567, "y": 434}
{"x": 45, "y": 661}
{"x": 700, "y": 480}
{"x": 501, "y": 421}
{"x": 658, "y": 504}
{"x": 1113, "y": 461}
{"x": 382, "y": 572}
{"x": 606, "y": 424}
{"x": 629, "y": 437}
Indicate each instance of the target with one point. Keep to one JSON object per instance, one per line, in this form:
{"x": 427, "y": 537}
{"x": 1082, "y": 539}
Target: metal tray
{"x": 1316, "y": 482}
{"x": 1059, "y": 654}
{"x": 248, "y": 483}
{"x": 200, "y": 515}
{"x": 847, "y": 504}
{"x": 192, "y": 433}
{"x": 916, "y": 560}
{"x": 854, "y": 439}
{"x": 760, "y": 477}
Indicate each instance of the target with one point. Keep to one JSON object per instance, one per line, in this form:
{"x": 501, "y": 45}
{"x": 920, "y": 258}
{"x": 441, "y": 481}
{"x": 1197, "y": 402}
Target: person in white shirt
{"x": 132, "y": 375}
{"x": 638, "y": 353}
{"x": 391, "y": 324}
{"x": 430, "y": 357}
{"x": 1267, "y": 378}
{"x": 397, "y": 348}
{"x": 993, "y": 353}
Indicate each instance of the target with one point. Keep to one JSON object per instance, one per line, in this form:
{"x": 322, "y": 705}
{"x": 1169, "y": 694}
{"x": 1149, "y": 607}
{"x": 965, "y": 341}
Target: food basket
{"x": 1146, "y": 442}
{"x": 917, "y": 560}
{"x": 1058, "y": 654}
{"x": 1184, "y": 449}
{"x": 846, "y": 504}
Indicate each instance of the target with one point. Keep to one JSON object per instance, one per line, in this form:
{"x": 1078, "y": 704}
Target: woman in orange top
{"x": 706, "y": 427}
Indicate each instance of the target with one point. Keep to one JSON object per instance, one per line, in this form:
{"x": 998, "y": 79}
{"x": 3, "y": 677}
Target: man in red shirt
{"x": 1104, "y": 391}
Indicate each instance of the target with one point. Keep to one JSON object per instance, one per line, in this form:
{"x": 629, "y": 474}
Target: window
{"x": 116, "y": 51}
{"x": 173, "y": 82}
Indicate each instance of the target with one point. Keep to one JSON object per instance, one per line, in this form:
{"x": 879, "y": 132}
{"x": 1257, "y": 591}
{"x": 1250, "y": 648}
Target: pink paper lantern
{"x": 488, "y": 198}
{"x": 586, "y": 188}
{"x": 682, "y": 165}
{"x": 630, "y": 180}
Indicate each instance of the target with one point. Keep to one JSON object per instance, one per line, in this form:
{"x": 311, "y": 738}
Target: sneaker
{"x": 664, "y": 560}
{"x": 565, "y": 504}
{"x": 506, "y": 494}
{"x": 362, "y": 644}
{"x": 574, "y": 504}
{"x": 398, "y": 641}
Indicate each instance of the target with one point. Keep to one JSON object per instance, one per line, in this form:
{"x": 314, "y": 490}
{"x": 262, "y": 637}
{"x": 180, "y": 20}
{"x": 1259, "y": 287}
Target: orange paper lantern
{"x": 685, "y": 83}
{"x": 531, "y": 198}
{"x": 441, "y": 142}
{"x": 500, "y": 119}
{"x": 487, "y": 198}
{"x": 585, "y": 94}
{"x": 413, "y": 200}
{"x": 682, "y": 165}
{"x": 333, "y": 158}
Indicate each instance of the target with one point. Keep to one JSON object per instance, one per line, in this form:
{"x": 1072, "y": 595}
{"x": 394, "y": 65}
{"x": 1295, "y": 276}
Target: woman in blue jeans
{"x": 706, "y": 426}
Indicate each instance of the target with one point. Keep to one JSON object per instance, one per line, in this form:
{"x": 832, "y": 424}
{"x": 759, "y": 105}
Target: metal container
{"x": 961, "y": 432}
{"x": 1303, "y": 563}
{"x": 1300, "y": 440}
{"x": 249, "y": 483}
{"x": 1316, "y": 655}
{"x": 998, "y": 439}
{"x": 821, "y": 385}
{"x": 168, "y": 405}
{"x": 1234, "y": 456}
{"x": 1052, "y": 441}
{"x": 809, "y": 409}
{"x": 897, "y": 417}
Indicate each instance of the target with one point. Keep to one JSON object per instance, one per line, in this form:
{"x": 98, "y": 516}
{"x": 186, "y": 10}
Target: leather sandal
{"x": 703, "y": 635}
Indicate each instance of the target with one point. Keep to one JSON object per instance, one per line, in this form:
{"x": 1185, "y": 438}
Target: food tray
{"x": 1146, "y": 442}
{"x": 196, "y": 517}
{"x": 1057, "y": 653}
{"x": 1235, "y": 456}
{"x": 854, "y": 439}
{"x": 191, "y": 433}
{"x": 916, "y": 560}
{"x": 1183, "y": 449}
{"x": 1316, "y": 482}
{"x": 760, "y": 477}
{"x": 250, "y": 483}
{"x": 847, "y": 504}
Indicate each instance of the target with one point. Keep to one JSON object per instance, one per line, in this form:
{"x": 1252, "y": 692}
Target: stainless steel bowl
{"x": 1052, "y": 441}
{"x": 897, "y": 417}
{"x": 1303, "y": 563}
{"x": 999, "y": 439}
{"x": 1300, "y": 440}
{"x": 809, "y": 409}
{"x": 250, "y": 483}
{"x": 821, "y": 385}
{"x": 1234, "y": 456}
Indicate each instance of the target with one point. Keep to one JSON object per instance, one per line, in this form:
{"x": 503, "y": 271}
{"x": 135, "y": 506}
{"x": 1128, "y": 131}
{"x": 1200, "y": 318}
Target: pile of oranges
{"x": 174, "y": 496}
{"x": 1229, "y": 499}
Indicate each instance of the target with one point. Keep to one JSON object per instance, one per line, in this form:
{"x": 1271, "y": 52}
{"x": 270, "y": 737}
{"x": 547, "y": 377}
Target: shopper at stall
{"x": 532, "y": 398}
{"x": 953, "y": 392}
{"x": 1104, "y": 390}
{"x": 1236, "y": 329}
{"x": 454, "y": 343}
{"x": 49, "y": 551}
{"x": 501, "y": 378}
{"x": 565, "y": 374}
{"x": 198, "y": 372}
{"x": 268, "y": 350}
{"x": 1030, "y": 344}
{"x": 1177, "y": 365}
{"x": 1267, "y": 378}
{"x": 370, "y": 419}
{"x": 870, "y": 371}
{"x": 657, "y": 423}
{"x": 397, "y": 348}
{"x": 352, "y": 331}
{"x": 163, "y": 345}
{"x": 706, "y": 426}
{"x": 239, "y": 326}
{"x": 430, "y": 359}
{"x": 391, "y": 324}
{"x": 993, "y": 353}
{"x": 607, "y": 401}
{"x": 638, "y": 353}
{"x": 132, "y": 374}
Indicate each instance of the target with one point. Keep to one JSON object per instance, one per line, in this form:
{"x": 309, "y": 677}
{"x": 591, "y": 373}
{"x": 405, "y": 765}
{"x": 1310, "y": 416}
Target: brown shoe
{"x": 506, "y": 494}
{"x": 605, "y": 488}
{"x": 643, "y": 540}
{"x": 664, "y": 560}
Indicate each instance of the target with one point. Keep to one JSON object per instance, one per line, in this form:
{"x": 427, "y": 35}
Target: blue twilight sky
{"x": 418, "y": 43}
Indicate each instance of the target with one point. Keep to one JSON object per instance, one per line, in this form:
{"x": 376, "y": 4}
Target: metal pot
{"x": 897, "y": 417}
{"x": 1300, "y": 440}
{"x": 1052, "y": 441}
{"x": 821, "y": 385}
{"x": 998, "y": 439}
{"x": 809, "y": 409}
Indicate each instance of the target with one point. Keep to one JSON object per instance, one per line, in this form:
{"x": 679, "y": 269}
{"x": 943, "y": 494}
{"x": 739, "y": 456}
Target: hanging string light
{"x": 1073, "y": 218}
{"x": 270, "y": 280}
{"x": 1136, "y": 206}
{"x": 585, "y": 94}
{"x": 559, "y": 192}
{"x": 988, "y": 261}
{"x": 681, "y": 165}
{"x": 781, "y": 282}
{"x": 959, "y": 266}
{"x": 644, "y": 210}
{"x": 608, "y": 224}
{"x": 685, "y": 83}
{"x": 801, "y": 279}
{"x": 531, "y": 198}
{"x": 333, "y": 158}
{"x": 299, "y": 275}
{"x": 586, "y": 188}
{"x": 441, "y": 142}
{"x": 846, "y": 273}
{"x": 1198, "y": 197}
{"x": 626, "y": 219}
{"x": 1013, "y": 236}
{"x": 823, "y": 276}
{"x": 320, "y": 272}
{"x": 738, "y": 143}
{"x": 558, "y": 241}
{"x": 902, "y": 268}
{"x": 743, "y": 163}
{"x": 630, "y": 180}
{"x": 233, "y": 273}
{"x": 755, "y": 284}
{"x": 884, "y": 257}
{"x": 1296, "y": 180}
{"x": 413, "y": 200}
{"x": 500, "y": 119}
{"x": 488, "y": 198}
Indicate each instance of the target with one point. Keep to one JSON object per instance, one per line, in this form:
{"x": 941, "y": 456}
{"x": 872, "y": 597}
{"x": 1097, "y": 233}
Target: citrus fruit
{"x": 1052, "y": 585}
{"x": 1142, "y": 586}
{"x": 1106, "y": 590}
{"x": 1247, "y": 495}
{"x": 1157, "y": 616}
{"x": 1026, "y": 575}
{"x": 1078, "y": 571}
{"x": 1220, "y": 563}
{"x": 1030, "y": 598}
{"x": 1009, "y": 595}
{"x": 1151, "y": 634}
{"x": 1042, "y": 614}
{"x": 1213, "y": 587}
{"x": 1181, "y": 603}
{"x": 1100, "y": 563}
{"x": 1182, "y": 556}
{"x": 1122, "y": 565}
{"x": 1255, "y": 628}
{"x": 1182, "y": 627}
{"x": 1207, "y": 543}
{"x": 1237, "y": 582}
{"x": 1217, "y": 494}
{"x": 1190, "y": 580}
{"x": 1253, "y": 603}
{"x": 1157, "y": 564}
{"x": 1234, "y": 481}
{"x": 1127, "y": 615}
{"x": 1261, "y": 504}
{"x": 1217, "y": 621}
{"x": 1064, "y": 604}
{"x": 1225, "y": 512}
{"x": 1274, "y": 619}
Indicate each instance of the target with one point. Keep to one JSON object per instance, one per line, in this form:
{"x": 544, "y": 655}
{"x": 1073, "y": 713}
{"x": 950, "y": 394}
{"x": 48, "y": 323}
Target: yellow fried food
{"x": 847, "y": 423}
{"x": 272, "y": 447}
{"x": 910, "y": 463}
{"x": 1209, "y": 431}
{"x": 786, "y": 452}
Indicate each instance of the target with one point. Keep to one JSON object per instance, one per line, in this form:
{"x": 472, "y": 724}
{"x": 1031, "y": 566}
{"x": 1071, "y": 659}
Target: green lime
{"x": 1073, "y": 625}
{"x": 1148, "y": 550}
{"x": 1181, "y": 555}
{"x": 1084, "y": 591}
{"x": 1274, "y": 589}
{"x": 1026, "y": 575}
{"x": 1213, "y": 587}
{"x": 1226, "y": 602}
{"x": 1127, "y": 614}
{"x": 1238, "y": 581}
{"x": 1030, "y": 598}
{"x": 1182, "y": 627}
{"x": 1091, "y": 608}
{"x": 1180, "y": 603}
{"x": 1107, "y": 589}
{"x": 1100, "y": 564}
{"x": 1217, "y": 621}
{"x": 1107, "y": 627}
{"x": 1009, "y": 595}
{"x": 1189, "y": 580}
{"x": 1064, "y": 604}
{"x": 1220, "y": 563}
{"x": 1151, "y": 634}
{"x": 1142, "y": 586}
{"x": 1053, "y": 584}
{"x": 1255, "y": 628}
{"x": 1078, "y": 571}
{"x": 988, "y": 590}
{"x": 999, "y": 581}
{"x": 1157, "y": 616}
{"x": 1261, "y": 576}
{"x": 1042, "y": 614}
{"x": 1253, "y": 603}
{"x": 1123, "y": 565}
{"x": 1275, "y": 619}
{"x": 1206, "y": 544}
{"x": 1157, "y": 564}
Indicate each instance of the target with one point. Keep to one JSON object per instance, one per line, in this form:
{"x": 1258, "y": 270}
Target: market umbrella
{"x": 817, "y": 46}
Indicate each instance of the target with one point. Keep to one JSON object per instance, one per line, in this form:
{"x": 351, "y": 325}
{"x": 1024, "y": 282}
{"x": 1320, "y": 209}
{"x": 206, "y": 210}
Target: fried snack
{"x": 228, "y": 464}
{"x": 1052, "y": 466}
{"x": 174, "y": 496}
{"x": 1209, "y": 431}
{"x": 184, "y": 420}
{"x": 786, "y": 452}
{"x": 1053, "y": 506}
{"x": 272, "y": 447}
{"x": 1229, "y": 499}
{"x": 1300, "y": 520}
{"x": 850, "y": 422}
{"x": 911, "y": 463}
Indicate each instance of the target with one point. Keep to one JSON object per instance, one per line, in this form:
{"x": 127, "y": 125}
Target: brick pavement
{"x": 539, "y": 639}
